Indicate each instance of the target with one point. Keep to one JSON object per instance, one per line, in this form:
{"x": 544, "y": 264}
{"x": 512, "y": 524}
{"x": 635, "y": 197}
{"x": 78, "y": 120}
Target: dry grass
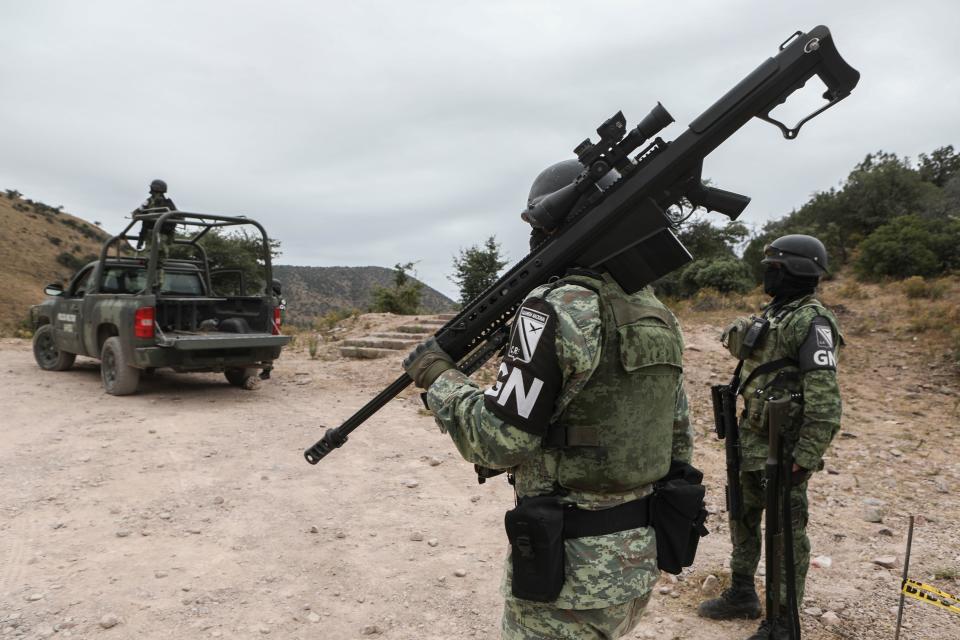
{"x": 917, "y": 287}
{"x": 29, "y": 246}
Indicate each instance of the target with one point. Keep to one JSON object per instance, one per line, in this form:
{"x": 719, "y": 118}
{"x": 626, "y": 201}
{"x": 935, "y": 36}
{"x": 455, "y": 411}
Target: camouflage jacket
{"x": 805, "y": 337}
{"x": 601, "y": 570}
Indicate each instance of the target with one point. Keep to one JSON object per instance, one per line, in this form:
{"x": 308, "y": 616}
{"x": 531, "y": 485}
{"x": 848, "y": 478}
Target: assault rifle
{"x": 724, "y": 397}
{"x": 624, "y": 229}
{"x": 778, "y": 530}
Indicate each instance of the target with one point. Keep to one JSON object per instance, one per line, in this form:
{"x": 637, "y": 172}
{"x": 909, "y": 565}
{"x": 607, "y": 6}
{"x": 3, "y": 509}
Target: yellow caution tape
{"x": 931, "y": 595}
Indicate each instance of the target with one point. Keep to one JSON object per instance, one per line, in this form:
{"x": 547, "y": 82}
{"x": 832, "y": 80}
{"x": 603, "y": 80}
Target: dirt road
{"x": 187, "y": 511}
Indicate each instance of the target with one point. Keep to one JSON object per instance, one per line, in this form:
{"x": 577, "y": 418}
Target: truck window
{"x": 123, "y": 279}
{"x": 81, "y": 283}
{"x": 182, "y": 283}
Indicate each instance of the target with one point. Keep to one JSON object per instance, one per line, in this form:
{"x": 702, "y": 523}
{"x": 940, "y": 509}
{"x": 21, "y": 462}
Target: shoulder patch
{"x": 819, "y": 349}
{"x": 529, "y": 377}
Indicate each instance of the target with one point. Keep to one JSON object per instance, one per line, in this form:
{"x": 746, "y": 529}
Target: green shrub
{"x": 402, "y": 298}
{"x": 910, "y": 246}
{"x": 312, "y": 343}
{"x": 726, "y": 275}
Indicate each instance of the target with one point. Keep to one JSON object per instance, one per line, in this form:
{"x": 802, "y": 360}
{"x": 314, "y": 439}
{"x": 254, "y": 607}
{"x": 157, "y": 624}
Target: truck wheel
{"x": 119, "y": 378}
{"x": 237, "y": 376}
{"x": 45, "y": 351}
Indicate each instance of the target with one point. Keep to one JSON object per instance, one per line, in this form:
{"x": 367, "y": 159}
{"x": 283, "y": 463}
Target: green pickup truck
{"x": 137, "y": 309}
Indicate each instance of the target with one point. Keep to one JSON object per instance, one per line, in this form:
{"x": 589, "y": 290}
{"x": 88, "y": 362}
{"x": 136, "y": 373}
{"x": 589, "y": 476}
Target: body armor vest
{"x": 771, "y": 348}
{"x": 616, "y": 434}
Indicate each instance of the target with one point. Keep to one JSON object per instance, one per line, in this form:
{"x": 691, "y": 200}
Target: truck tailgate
{"x": 195, "y": 342}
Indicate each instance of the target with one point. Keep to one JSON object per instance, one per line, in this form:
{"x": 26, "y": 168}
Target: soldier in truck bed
{"x": 157, "y": 200}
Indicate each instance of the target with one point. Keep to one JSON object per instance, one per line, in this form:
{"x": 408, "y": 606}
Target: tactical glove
{"x": 799, "y": 475}
{"x": 425, "y": 363}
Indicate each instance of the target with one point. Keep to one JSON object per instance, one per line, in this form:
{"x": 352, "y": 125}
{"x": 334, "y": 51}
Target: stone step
{"x": 394, "y": 335}
{"x": 381, "y": 343}
{"x": 446, "y": 316}
{"x": 366, "y": 353}
{"x": 416, "y": 328}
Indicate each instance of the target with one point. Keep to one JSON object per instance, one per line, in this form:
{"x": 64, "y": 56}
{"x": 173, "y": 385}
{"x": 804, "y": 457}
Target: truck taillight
{"x": 143, "y": 322}
{"x": 277, "y": 320}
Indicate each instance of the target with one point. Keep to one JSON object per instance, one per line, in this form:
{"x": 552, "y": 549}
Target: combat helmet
{"x": 158, "y": 185}
{"x": 551, "y": 180}
{"x": 799, "y": 254}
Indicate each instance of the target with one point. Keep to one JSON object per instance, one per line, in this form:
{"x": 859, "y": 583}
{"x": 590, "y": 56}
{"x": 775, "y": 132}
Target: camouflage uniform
{"x": 609, "y": 577}
{"x": 806, "y": 336}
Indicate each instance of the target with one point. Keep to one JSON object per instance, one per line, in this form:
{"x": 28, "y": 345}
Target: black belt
{"x": 580, "y": 523}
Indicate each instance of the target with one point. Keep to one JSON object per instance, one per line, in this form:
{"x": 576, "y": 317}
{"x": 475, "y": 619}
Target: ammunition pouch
{"x": 678, "y": 514}
{"x": 535, "y": 530}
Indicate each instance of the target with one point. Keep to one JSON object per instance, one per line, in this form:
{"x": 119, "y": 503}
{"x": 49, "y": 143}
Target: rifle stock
{"x": 624, "y": 230}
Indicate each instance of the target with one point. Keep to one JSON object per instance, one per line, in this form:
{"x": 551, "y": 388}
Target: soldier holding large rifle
{"x": 590, "y": 351}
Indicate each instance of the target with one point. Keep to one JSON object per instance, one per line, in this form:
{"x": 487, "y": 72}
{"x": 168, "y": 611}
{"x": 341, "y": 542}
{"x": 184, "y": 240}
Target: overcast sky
{"x": 367, "y": 133}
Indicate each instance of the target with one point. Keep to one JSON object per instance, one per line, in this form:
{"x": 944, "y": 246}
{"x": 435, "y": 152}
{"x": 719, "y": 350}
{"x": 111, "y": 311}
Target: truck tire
{"x": 237, "y": 376}
{"x": 45, "y": 351}
{"x": 119, "y": 378}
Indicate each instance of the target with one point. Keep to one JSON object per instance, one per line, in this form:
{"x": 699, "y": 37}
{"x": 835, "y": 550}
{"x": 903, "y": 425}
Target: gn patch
{"x": 819, "y": 349}
{"x": 529, "y": 377}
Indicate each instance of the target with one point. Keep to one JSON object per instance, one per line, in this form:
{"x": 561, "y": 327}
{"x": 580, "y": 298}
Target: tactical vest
{"x": 616, "y": 434}
{"x": 757, "y": 384}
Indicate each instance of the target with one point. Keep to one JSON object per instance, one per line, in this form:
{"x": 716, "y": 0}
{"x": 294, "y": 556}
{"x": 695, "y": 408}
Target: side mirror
{"x": 276, "y": 287}
{"x": 53, "y": 289}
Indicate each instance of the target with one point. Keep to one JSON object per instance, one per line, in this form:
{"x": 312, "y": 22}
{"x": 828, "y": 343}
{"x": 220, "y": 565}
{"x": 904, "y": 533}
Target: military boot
{"x": 739, "y": 601}
{"x": 772, "y": 631}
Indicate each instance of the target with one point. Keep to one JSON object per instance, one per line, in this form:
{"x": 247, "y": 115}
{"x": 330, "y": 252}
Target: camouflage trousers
{"x": 747, "y": 538}
{"x": 524, "y": 620}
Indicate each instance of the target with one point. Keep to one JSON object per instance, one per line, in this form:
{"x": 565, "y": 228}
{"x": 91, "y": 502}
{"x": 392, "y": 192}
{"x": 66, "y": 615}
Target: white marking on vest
{"x": 514, "y": 385}
{"x": 824, "y": 338}
{"x": 824, "y": 358}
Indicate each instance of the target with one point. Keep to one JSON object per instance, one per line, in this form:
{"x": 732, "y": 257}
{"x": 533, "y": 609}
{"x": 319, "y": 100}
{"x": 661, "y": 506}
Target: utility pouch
{"x": 678, "y": 514}
{"x": 754, "y": 335}
{"x": 535, "y": 530}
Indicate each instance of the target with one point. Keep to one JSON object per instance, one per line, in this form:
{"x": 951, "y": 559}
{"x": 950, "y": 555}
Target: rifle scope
{"x": 611, "y": 152}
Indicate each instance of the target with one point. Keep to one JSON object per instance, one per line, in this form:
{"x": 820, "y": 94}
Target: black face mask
{"x": 772, "y": 279}
{"x": 784, "y": 286}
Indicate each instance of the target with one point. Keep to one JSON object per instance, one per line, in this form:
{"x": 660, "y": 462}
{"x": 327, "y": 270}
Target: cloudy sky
{"x": 378, "y": 132}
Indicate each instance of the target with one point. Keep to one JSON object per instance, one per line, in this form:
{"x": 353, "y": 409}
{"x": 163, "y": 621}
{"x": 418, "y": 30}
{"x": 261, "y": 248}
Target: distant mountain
{"x": 314, "y": 291}
{"x": 39, "y": 244}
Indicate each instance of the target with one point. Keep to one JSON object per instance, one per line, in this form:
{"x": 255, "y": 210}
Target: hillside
{"x": 39, "y": 244}
{"x": 314, "y": 291}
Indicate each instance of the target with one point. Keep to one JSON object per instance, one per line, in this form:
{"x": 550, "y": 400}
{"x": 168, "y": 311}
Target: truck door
{"x": 68, "y": 323}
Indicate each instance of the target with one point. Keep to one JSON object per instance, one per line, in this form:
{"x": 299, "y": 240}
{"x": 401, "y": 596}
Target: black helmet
{"x": 554, "y": 178}
{"x": 800, "y": 255}
{"x": 158, "y": 185}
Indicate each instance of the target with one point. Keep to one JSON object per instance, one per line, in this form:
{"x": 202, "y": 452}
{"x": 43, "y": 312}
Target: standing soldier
{"x": 791, "y": 348}
{"x": 588, "y": 410}
{"x": 156, "y": 201}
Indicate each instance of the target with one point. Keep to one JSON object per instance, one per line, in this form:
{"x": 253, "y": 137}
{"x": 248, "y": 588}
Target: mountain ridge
{"x": 312, "y": 292}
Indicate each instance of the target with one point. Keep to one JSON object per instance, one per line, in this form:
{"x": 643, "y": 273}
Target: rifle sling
{"x": 766, "y": 367}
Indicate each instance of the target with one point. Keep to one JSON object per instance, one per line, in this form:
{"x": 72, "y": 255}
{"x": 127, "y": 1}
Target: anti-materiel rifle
{"x": 623, "y": 230}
